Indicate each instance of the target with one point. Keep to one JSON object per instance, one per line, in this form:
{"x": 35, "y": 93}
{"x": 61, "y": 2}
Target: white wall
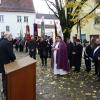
{"x": 49, "y": 31}
{"x": 47, "y": 21}
{"x": 10, "y": 19}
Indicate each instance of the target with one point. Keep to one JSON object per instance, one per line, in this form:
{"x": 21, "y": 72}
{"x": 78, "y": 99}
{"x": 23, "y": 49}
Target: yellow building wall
{"x": 89, "y": 28}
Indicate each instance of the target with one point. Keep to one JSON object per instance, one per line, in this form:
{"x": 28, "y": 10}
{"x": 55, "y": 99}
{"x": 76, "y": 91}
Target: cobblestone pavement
{"x": 74, "y": 86}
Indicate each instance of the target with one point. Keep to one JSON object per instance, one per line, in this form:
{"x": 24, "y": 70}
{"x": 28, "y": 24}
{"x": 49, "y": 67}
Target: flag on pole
{"x": 27, "y": 29}
{"x": 42, "y": 28}
{"x": 79, "y": 30}
{"x": 77, "y": 27}
{"x": 35, "y": 29}
{"x": 21, "y": 33}
{"x": 55, "y": 27}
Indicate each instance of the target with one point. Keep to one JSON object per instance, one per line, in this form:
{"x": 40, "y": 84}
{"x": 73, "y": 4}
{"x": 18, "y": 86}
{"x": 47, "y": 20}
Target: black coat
{"x": 77, "y": 55}
{"x": 95, "y": 59}
{"x": 88, "y": 53}
{"x": 6, "y": 52}
{"x": 96, "y": 54}
{"x": 43, "y": 46}
{"x": 32, "y": 48}
{"x": 70, "y": 49}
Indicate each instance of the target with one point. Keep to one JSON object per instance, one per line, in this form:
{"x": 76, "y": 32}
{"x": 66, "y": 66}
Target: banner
{"x": 42, "y": 29}
{"x": 55, "y": 27}
{"x": 27, "y": 29}
{"x": 35, "y": 29}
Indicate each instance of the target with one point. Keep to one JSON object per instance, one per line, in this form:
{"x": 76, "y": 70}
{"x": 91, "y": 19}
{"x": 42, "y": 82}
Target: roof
{"x": 46, "y": 16}
{"x": 17, "y": 6}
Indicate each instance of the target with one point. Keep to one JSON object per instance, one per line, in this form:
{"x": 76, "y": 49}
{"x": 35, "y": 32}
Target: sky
{"x": 41, "y": 6}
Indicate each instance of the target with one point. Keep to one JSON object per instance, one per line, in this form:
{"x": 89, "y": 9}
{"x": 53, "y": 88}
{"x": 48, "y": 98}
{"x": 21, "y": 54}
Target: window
{"x": 25, "y": 18}
{"x": 19, "y": 19}
{"x": 97, "y": 20}
{"x": 7, "y": 29}
{"x": 1, "y": 18}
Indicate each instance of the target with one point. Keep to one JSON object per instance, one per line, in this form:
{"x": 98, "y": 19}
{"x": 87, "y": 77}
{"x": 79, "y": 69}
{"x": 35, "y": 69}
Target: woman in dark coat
{"x": 43, "y": 46}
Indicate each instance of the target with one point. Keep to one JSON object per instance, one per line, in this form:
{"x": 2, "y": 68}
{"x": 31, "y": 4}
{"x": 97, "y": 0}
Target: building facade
{"x": 50, "y": 21}
{"x": 91, "y": 27}
{"x": 15, "y": 15}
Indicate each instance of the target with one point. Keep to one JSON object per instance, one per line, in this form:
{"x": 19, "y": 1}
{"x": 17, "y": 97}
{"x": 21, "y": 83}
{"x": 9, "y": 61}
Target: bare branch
{"x": 56, "y": 14}
{"x": 52, "y": 3}
{"x": 58, "y": 8}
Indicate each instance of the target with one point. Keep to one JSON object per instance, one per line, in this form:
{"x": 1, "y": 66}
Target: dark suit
{"x": 87, "y": 57}
{"x": 96, "y": 61}
{"x": 6, "y": 56}
{"x": 76, "y": 57}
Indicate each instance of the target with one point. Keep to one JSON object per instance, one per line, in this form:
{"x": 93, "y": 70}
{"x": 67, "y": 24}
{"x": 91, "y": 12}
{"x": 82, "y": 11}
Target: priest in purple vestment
{"x": 60, "y": 57}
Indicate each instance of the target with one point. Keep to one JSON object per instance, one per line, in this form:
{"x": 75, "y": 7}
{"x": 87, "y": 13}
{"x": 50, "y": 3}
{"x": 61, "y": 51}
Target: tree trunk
{"x": 67, "y": 32}
{"x": 66, "y": 35}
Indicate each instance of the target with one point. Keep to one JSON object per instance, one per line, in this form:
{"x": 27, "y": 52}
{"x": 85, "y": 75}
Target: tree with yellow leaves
{"x": 67, "y": 11}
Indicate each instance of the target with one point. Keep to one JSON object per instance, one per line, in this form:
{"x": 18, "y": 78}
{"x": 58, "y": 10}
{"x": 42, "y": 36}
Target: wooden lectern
{"x": 21, "y": 79}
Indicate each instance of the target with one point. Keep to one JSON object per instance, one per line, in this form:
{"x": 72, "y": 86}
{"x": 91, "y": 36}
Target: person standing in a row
{"x": 6, "y": 55}
{"x": 70, "y": 46}
{"x": 96, "y": 58}
{"x": 59, "y": 59}
{"x": 21, "y": 44}
{"x": 50, "y": 42}
{"x": 88, "y": 56}
{"x": 32, "y": 48}
{"x": 43, "y": 51}
{"x": 77, "y": 55}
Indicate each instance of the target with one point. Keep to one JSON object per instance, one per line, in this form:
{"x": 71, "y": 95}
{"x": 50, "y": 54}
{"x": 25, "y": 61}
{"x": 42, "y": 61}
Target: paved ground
{"x": 74, "y": 86}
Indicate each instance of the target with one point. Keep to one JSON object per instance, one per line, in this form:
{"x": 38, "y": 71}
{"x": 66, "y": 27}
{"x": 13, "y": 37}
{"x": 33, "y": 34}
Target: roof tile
{"x": 17, "y": 6}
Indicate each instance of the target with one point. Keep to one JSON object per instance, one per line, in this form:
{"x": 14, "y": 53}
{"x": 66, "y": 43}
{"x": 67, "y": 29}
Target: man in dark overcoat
{"x": 43, "y": 46}
{"x": 6, "y": 55}
{"x": 70, "y": 49}
{"x": 88, "y": 56}
{"x": 77, "y": 55}
{"x": 96, "y": 58}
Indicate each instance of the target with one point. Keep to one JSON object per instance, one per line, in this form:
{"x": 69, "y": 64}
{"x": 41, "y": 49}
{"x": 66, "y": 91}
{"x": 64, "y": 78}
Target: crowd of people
{"x": 91, "y": 54}
{"x": 33, "y": 46}
{"x": 64, "y": 55}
